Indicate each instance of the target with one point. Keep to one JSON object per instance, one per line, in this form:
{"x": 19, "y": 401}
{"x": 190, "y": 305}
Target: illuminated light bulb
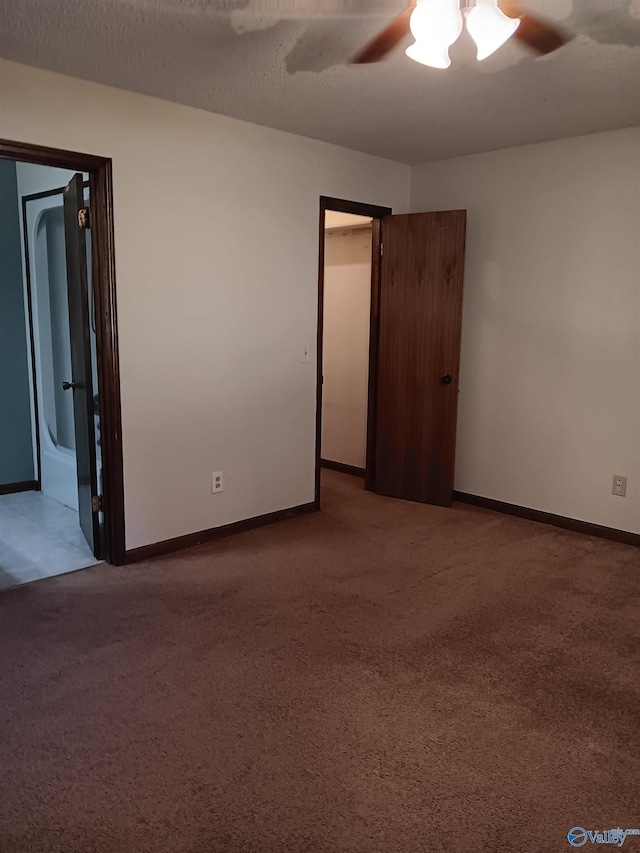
{"x": 489, "y": 27}
{"x": 435, "y": 25}
{"x": 437, "y": 56}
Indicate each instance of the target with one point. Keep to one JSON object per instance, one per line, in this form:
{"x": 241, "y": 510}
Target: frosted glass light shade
{"x": 489, "y": 27}
{"x": 435, "y": 25}
{"x": 428, "y": 53}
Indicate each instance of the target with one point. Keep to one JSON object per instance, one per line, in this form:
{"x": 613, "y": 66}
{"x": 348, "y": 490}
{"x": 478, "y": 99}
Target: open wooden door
{"x": 420, "y": 320}
{"x": 81, "y": 382}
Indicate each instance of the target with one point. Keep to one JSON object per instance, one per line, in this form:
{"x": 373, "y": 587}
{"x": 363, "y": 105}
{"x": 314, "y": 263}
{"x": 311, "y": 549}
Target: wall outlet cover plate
{"x": 619, "y": 487}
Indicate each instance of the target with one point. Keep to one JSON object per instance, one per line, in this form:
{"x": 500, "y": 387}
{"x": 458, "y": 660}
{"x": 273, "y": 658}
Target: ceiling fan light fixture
{"x": 429, "y": 53}
{"x": 435, "y": 26}
{"x": 489, "y": 27}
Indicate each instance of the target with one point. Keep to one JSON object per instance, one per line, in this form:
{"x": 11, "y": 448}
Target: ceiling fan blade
{"x": 385, "y": 41}
{"x": 539, "y": 36}
{"x": 536, "y": 34}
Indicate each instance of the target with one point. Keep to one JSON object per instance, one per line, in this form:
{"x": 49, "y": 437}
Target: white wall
{"x": 550, "y": 374}
{"x": 211, "y": 331}
{"x": 347, "y": 301}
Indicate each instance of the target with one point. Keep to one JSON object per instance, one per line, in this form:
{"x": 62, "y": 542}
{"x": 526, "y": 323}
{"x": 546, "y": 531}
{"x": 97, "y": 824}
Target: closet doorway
{"x": 415, "y": 324}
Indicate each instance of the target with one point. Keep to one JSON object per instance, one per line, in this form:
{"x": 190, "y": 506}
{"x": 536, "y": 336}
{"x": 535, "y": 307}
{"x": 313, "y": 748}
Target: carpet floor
{"x": 381, "y": 676}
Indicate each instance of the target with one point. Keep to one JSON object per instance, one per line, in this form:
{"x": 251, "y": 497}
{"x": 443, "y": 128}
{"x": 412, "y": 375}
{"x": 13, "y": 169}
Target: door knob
{"x": 447, "y": 379}
{"x": 68, "y": 386}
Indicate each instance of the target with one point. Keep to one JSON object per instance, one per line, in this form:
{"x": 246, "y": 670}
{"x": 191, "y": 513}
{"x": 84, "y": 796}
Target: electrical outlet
{"x": 306, "y": 355}
{"x": 619, "y": 486}
{"x": 217, "y": 483}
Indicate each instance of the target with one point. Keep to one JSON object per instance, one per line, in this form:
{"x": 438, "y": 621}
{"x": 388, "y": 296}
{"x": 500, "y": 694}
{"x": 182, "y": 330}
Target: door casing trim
{"x": 377, "y": 213}
{"x": 104, "y": 284}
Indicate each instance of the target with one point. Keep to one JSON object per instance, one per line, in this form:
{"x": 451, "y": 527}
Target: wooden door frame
{"x": 340, "y": 205}
{"x": 104, "y": 286}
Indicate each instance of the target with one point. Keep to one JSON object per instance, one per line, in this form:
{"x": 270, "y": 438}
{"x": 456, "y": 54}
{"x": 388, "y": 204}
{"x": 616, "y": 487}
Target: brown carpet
{"x": 383, "y": 676}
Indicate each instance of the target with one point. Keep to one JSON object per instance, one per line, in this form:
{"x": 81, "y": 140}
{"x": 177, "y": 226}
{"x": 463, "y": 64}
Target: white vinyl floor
{"x": 39, "y": 537}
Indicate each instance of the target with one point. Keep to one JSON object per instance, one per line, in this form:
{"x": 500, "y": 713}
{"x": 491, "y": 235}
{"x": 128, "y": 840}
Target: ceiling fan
{"x": 437, "y": 24}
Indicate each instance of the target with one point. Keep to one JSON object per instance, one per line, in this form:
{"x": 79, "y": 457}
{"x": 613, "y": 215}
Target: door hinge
{"x": 84, "y": 218}
{"x": 381, "y": 249}
{"x": 96, "y": 503}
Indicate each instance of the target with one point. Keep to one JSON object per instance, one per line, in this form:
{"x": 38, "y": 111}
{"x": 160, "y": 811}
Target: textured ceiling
{"x": 288, "y": 72}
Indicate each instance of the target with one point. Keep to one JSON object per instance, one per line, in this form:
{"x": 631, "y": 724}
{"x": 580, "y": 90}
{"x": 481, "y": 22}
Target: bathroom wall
{"x": 16, "y": 435}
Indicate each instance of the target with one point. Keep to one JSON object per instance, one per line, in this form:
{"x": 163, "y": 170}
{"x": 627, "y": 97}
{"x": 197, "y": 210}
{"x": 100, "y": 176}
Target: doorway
{"x": 415, "y": 326}
{"x": 348, "y": 274}
{"x": 47, "y": 320}
{"x": 61, "y": 442}
{"x": 345, "y": 368}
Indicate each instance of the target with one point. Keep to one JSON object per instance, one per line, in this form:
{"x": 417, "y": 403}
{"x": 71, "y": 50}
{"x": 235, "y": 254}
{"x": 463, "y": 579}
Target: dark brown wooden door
{"x": 420, "y": 317}
{"x": 81, "y": 383}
